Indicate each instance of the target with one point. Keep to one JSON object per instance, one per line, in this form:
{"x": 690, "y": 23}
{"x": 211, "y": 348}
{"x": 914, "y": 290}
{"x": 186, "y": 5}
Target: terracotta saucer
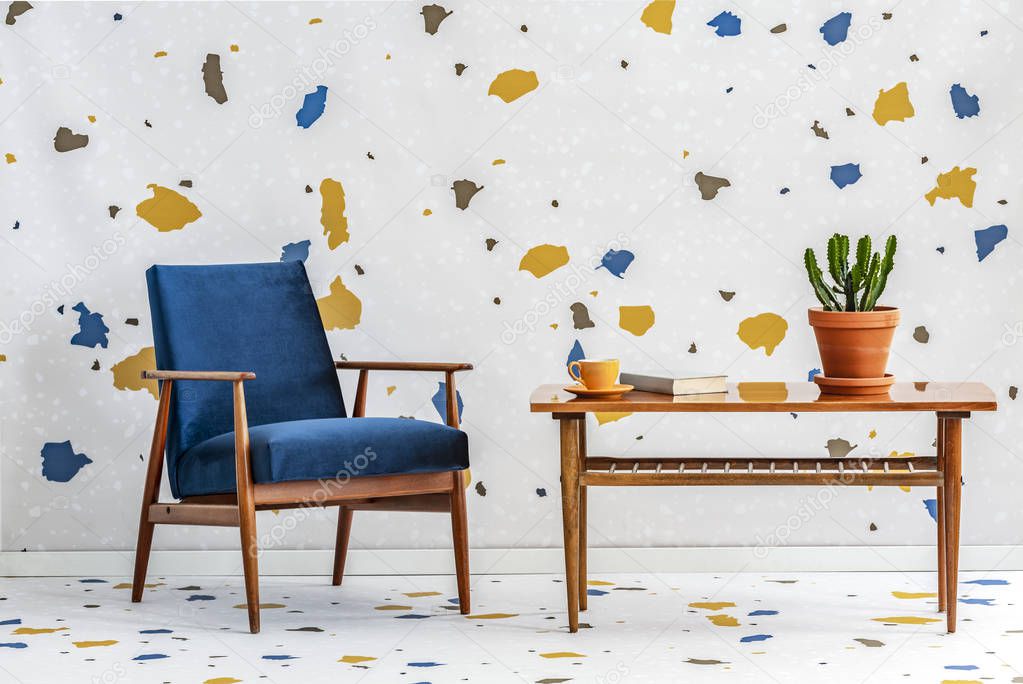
{"x": 606, "y": 393}
{"x": 854, "y": 386}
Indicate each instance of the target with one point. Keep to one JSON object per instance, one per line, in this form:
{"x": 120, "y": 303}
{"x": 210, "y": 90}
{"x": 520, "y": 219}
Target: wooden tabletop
{"x": 777, "y": 397}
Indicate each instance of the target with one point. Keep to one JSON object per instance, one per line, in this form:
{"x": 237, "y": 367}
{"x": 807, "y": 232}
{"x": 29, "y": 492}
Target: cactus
{"x": 859, "y": 286}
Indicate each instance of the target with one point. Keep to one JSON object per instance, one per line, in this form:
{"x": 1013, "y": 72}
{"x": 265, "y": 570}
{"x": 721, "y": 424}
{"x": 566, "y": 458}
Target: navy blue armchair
{"x": 251, "y": 418}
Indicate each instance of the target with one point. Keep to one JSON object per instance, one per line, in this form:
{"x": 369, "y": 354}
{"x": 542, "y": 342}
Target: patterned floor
{"x": 834, "y": 627}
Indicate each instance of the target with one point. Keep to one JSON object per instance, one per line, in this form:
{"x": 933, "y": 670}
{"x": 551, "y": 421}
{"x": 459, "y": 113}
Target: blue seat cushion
{"x": 324, "y": 448}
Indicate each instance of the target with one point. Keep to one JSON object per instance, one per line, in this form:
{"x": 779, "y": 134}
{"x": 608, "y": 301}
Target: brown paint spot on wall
{"x": 725, "y": 295}
{"x": 15, "y": 10}
{"x": 465, "y": 190}
{"x": 113, "y": 209}
{"x": 921, "y": 335}
{"x": 433, "y": 15}
{"x": 709, "y": 185}
{"x": 581, "y": 316}
{"x": 780, "y": 28}
{"x": 839, "y": 448}
{"x": 65, "y": 140}
{"x": 213, "y": 78}
{"x": 818, "y": 130}
{"x": 459, "y": 68}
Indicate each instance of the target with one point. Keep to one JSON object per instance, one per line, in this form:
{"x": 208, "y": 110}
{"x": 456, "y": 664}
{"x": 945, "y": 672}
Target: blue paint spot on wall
{"x": 987, "y": 238}
{"x": 757, "y": 613}
{"x": 616, "y": 261}
{"x": 576, "y": 353}
{"x": 151, "y": 656}
{"x": 836, "y": 29}
{"x": 312, "y": 107}
{"x": 295, "y": 251}
{"x": 845, "y": 174}
{"x": 726, "y": 24}
{"x": 963, "y": 103}
{"x": 932, "y": 508}
{"x": 813, "y": 372}
{"x": 755, "y": 637}
{"x": 92, "y": 331}
{"x": 60, "y": 462}
{"x": 441, "y": 404}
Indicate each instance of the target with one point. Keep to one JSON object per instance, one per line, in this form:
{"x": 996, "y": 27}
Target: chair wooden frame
{"x": 427, "y": 492}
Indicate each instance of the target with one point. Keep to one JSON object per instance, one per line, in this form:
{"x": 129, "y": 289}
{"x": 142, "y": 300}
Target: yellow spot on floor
{"x": 421, "y": 594}
{"x": 657, "y": 15}
{"x": 427, "y": 212}
{"x": 127, "y": 585}
{"x": 512, "y": 84}
{"x": 167, "y": 209}
{"x": 497, "y": 162}
{"x": 906, "y": 620}
{"x": 491, "y": 616}
{"x": 10, "y": 158}
{"x": 332, "y": 212}
{"x": 234, "y": 48}
{"x": 723, "y": 620}
{"x": 604, "y": 417}
{"x": 543, "y": 259}
{"x": 160, "y": 53}
{"x": 392, "y": 606}
{"x": 600, "y": 583}
{"x": 92, "y": 644}
{"x": 355, "y": 659}
{"x": 636, "y": 319}
{"x": 959, "y": 681}
{"x": 562, "y": 654}
{"x": 766, "y": 330}
{"x": 222, "y": 680}
{"x": 128, "y": 372}
{"x": 712, "y": 605}
{"x": 341, "y": 309}
{"x": 38, "y": 630}
{"x": 957, "y": 183}
{"x": 262, "y": 606}
{"x": 315, "y": 20}
{"x": 893, "y": 105}
{"x": 912, "y": 594}
{"x": 390, "y": 389}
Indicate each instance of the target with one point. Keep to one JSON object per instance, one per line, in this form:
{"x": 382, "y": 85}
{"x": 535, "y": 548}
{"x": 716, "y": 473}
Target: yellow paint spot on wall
{"x": 957, "y": 183}
{"x": 604, "y": 417}
{"x": 685, "y": 154}
{"x": 893, "y": 105}
{"x": 390, "y": 389}
{"x": 913, "y": 594}
{"x": 38, "y": 630}
{"x": 872, "y": 434}
{"x": 421, "y": 594}
{"x": 763, "y": 391}
{"x": 332, "y": 212}
{"x": 160, "y": 53}
{"x": 512, "y": 84}
{"x": 657, "y": 15}
{"x": 554, "y": 326}
{"x": 392, "y": 606}
{"x": 543, "y": 259}
{"x": 10, "y": 158}
{"x": 91, "y": 118}
{"x": 341, "y": 309}
{"x": 491, "y": 616}
{"x": 723, "y": 620}
{"x": 712, "y": 605}
{"x": 427, "y": 212}
{"x": 167, "y": 209}
{"x": 355, "y": 659}
{"x": 387, "y": 57}
{"x": 3, "y": 357}
{"x": 593, "y": 293}
{"x": 93, "y": 644}
{"x": 315, "y": 20}
{"x": 234, "y": 48}
{"x": 636, "y": 319}
{"x": 562, "y": 654}
{"x": 906, "y": 620}
{"x": 766, "y": 330}
{"x": 128, "y": 372}
{"x": 497, "y": 162}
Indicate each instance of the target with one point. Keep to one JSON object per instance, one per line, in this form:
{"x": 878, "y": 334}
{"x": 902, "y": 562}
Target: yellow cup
{"x": 595, "y": 374}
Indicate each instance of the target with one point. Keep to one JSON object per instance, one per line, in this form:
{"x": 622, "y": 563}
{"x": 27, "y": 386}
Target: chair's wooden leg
{"x": 583, "y": 583}
{"x": 344, "y": 530}
{"x": 570, "y": 514}
{"x": 953, "y": 495}
{"x": 151, "y": 492}
{"x": 250, "y": 564}
{"x": 460, "y": 538}
{"x": 246, "y": 507}
{"x": 940, "y": 496}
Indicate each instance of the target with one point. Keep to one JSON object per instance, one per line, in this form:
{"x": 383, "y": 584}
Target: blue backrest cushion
{"x": 240, "y": 317}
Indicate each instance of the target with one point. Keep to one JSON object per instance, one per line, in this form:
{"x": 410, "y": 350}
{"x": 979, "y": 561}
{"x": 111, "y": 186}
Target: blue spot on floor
{"x": 440, "y": 402}
{"x": 151, "y": 656}
{"x": 92, "y": 332}
{"x": 987, "y": 238}
{"x": 60, "y": 462}
{"x": 201, "y": 597}
{"x": 755, "y": 637}
{"x": 15, "y": 621}
{"x": 14, "y": 644}
{"x": 845, "y": 174}
{"x": 960, "y": 667}
{"x": 976, "y": 601}
{"x": 836, "y": 29}
{"x": 576, "y": 353}
{"x": 616, "y": 261}
{"x": 295, "y": 251}
{"x": 988, "y": 582}
{"x": 963, "y": 103}
{"x": 312, "y": 107}
{"x": 156, "y": 631}
{"x": 756, "y": 613}
{"x": 932, "y": 508}
{"x": 93, "y": 581}
{"x": 280, "y": 657}
{"x": 411, "y": 616}
{"x": 726, "y": 24}
{"x": 425, "y": 663}
{"x": 595, "y": 592}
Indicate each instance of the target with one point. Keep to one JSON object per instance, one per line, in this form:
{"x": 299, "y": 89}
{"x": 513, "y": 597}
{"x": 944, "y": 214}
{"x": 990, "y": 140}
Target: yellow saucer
{"x": 606, "y": 393}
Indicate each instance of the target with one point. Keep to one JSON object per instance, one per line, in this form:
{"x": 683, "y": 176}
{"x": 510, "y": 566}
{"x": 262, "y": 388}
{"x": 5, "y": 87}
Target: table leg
{"x": 583, "y": 585}
{"x": 940, "y": 495}
{"x": 953, "y": 430}
{"x": 570, "y": 514}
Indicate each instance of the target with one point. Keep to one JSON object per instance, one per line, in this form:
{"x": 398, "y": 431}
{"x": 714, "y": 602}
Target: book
{"x": 677, "y": 386}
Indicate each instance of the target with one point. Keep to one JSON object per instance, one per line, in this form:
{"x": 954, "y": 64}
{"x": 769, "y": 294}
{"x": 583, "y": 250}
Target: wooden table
{"x": 951, "y": 402}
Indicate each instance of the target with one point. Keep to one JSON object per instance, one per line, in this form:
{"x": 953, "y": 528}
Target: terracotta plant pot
{"x": 854, "y": 344}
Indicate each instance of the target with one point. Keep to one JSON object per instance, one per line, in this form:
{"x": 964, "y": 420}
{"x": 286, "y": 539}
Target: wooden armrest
{"x": 229, "y": 376}
{"x": 404, "y": 366}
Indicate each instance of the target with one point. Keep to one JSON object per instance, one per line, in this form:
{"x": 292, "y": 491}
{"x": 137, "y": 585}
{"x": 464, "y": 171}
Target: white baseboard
{"x": 513, "y": 561}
